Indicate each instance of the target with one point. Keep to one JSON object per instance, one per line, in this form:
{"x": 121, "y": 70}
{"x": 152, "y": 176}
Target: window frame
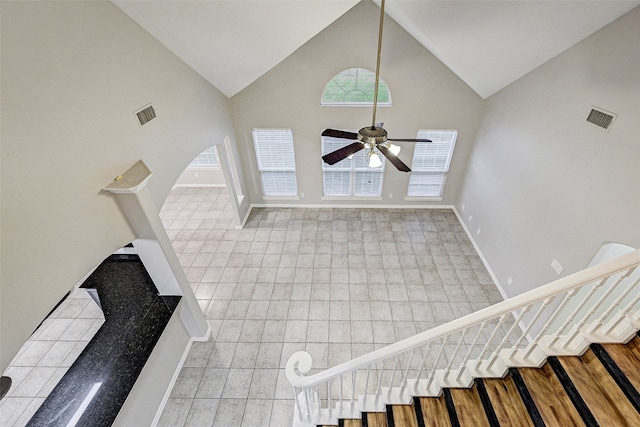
{"x": 382, "y": 86}
{"x": 354, "y": 171}
{"x": 284, "y": 166}
{"x": 195, "y": 164}
{"x": 435, "y": 167}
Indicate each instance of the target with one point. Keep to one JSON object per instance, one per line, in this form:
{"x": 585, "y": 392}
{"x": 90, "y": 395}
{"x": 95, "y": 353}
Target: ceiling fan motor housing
{"x": 372, "y": 135}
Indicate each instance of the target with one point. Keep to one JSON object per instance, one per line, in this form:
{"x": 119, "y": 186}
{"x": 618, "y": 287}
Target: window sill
{"x": 280, "y": 197}
{"x": 422, "y": 199}
{"x": 351, "y": 198}
{"x": 353, "y": 104}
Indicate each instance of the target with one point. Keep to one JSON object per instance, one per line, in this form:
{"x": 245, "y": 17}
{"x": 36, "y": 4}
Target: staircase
{"x": 564, "y": 354}
{"x": 598, "y": 388}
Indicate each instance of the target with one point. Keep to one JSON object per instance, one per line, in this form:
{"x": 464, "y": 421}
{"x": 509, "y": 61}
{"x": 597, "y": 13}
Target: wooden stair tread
{"x": 590, "y": 379}
{"x": 469, "y": 407}
{"x": 627, "y": 357}
{"x": 434, "y": 412}
{"x": 550, "y": 398}
{"x": 404, "y": 416}
{"x": 376, "y": 419}
{"x": 599, "y": 391}
{"x": 507, "y": 404}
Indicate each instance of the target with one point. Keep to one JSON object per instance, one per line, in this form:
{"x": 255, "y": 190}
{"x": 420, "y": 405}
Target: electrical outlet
{"x": 557, "y": 266}
{"x": 509, "y": 281}
{"x": 301, "y": 195}
{"x": 478, "y": 231}
{"x": 470, "y": 218}
{"x": 462, "y": 207}
{"x": 391, "y": 195}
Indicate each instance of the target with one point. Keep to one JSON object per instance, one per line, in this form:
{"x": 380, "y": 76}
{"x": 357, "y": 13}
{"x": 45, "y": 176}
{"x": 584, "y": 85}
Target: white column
{"x": 154, "y": 247}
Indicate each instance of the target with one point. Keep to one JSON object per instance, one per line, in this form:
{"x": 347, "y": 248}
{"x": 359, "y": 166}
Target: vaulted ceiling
{"x": 488, "y": 44}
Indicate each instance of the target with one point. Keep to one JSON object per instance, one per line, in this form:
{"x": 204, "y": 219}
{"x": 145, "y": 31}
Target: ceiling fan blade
{"x": 334, "y": 133}
{"x": 399, "y": 164}
{"x": 342, "y": 153}
{"x": 409, "y": 140}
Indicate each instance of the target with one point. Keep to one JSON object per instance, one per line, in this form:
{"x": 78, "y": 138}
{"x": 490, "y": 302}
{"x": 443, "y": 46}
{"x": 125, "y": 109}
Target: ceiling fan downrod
{"x": 375, "y": 91}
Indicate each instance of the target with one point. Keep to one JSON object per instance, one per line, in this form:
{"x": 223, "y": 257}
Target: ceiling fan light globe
{"x": 395, "y": 149}
{"x": 374, "y": 161}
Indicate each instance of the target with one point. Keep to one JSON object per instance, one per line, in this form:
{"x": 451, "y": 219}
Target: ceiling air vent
{"x": 602, "y": 118}
{"x": 145, "y": 115}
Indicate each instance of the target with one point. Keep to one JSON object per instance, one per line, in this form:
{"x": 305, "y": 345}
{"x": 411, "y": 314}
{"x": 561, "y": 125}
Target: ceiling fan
{"x": 371, "y": 137}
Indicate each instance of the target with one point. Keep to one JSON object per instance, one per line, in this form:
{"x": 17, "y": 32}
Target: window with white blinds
{"x": 276, "y": 161}
{"x": 350, "y": 177}
{"x": 208, "y": 159}
{"x": 431, "y": 162}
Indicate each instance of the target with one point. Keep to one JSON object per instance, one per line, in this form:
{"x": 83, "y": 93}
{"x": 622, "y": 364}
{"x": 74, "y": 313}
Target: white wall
{"x": 542, "y": 183}
{"x": 196, "y": 176}
{"x": 72, "y": 75}
{"x": 425, "y": 94}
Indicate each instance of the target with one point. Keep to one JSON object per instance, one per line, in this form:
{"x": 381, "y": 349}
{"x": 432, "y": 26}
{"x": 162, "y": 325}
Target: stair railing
{"x": 521, "y": 331}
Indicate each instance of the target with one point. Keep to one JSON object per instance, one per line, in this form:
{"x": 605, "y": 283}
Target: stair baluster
{"x": 534, "y": 345}
{"x": 452, "y": 359}
{"x": 616, "y": 303}
{"x": 505, "y": 340}
{"x": 487, "y": 345}
{"x": 403, "y": 384}
{"x": 532, "y": 322}
{"x": 463, "y": 365}
{"x": 421, "y": 367}
{"x": 575, "y": 331}
{"x": 432, "y": 374}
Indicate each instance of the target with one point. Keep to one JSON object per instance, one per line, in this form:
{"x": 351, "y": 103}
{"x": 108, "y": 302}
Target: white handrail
{"x": 299, "y": 364}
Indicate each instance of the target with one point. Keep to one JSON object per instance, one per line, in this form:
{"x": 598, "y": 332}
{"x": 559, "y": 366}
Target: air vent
{"x": 146, "y": 115}
{"x": 602, "y": 118}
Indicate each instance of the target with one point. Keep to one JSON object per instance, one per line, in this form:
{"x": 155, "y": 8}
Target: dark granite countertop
{"x": 95, "y": 387}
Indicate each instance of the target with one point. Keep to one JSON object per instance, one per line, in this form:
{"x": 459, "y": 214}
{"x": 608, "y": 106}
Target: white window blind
{"x": 208, "y": 158}
{"x": 431, "y": 162}
{"x": 276, "y": 161}
{"x": 350, "y": 177}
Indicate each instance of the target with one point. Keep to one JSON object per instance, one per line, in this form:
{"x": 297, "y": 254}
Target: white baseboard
{"x": 343, "y": 206}
{"x": 199, "y": 185}
{"x": 246, "y": 217}
{"x": 482, "y": 257}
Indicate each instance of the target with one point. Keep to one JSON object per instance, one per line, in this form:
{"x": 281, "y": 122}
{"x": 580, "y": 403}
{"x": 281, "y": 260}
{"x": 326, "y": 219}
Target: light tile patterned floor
{"x": 46, "y": 356}
{"x": 334, "y": 282}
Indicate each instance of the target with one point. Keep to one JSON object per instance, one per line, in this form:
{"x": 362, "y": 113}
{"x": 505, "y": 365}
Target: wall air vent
{"x": 602, "y": 118}
{"x": 145, "y": 115}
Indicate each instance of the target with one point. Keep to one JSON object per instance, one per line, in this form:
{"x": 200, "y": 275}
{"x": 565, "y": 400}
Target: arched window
{"x": 355, "y": 87}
